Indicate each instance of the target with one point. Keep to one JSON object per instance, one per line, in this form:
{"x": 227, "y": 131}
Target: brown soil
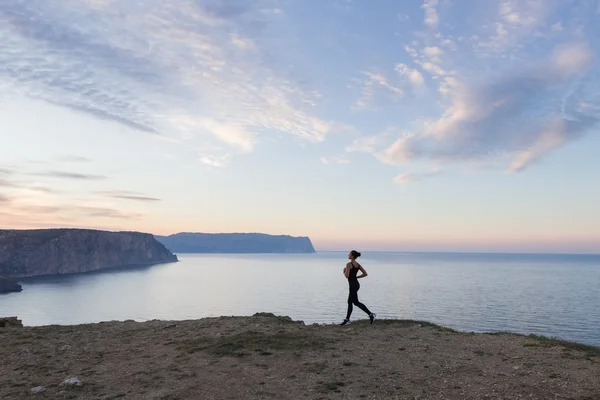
{"x": 267, "y": 357}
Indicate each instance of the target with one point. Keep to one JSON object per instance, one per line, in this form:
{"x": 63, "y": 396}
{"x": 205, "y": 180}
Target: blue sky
{"x": 378, "y": 125}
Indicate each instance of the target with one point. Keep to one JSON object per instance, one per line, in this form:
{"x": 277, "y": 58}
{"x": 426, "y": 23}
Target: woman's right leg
{"x": 361, "y": 305}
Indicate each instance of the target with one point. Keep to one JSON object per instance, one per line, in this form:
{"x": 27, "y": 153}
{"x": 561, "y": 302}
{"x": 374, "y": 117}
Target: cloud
{"x": 432, "y": 68}
{"x": 410, "y": 177}
{"x": 9, "y": 181}
{"x": 414, "y": 76}
{"x": 127, "y": 195}
{"x": 433, "y": 52}
{"x": 367, "y": 144}
{"x": 431, "y": 16}
{"x": 520, "y": 117}
{"x": 235, "y": 135}
{"x": 335, "y": 160}
{"x": 70, "y": 175}
{"x": 516, "y": 22}
{"x": 403, "y": 178}
{"x": 6, "y": 183}
{"x": 400, "y": 152}
{"x": 28, "y": 208}
{"x": 215, "y": 161}
{"x": 374, "y": 84}
{"x": 191, "y": 69}
{"x": 103, "y": 212}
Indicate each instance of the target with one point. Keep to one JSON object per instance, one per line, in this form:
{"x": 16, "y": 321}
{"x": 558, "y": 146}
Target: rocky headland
{"x": 28, "y": 253}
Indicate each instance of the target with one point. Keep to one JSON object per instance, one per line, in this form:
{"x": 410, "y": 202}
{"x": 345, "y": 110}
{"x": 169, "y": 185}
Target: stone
{"x": 37, "y": 389}
{"x": 71, "y": 382}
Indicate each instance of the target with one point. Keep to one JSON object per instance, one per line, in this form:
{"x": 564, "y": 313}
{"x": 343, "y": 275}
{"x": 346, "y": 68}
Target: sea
{"x": 551, "y": 295}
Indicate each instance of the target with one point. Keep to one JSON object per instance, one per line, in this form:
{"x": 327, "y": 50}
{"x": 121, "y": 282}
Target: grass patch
{"x": 531, "y": 343}
{"x": 427, "y": 324}
{"x": 244, "y": 343}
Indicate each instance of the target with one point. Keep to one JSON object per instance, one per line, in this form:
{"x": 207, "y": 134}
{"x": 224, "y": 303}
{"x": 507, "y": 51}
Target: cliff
{"x": 8, "y": 285}
{"x": 26, "y": 253}
{"x": 235, "y": 243}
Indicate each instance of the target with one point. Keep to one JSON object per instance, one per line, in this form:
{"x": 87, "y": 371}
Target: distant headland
{"x": 188, "y": 242}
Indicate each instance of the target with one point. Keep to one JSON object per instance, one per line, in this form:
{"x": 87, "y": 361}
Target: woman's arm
{"x": 347, "y": 270}
{"x": 364, "y": 273}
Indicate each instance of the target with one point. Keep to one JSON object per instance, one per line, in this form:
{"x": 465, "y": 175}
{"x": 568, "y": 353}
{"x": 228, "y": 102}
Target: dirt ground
{"x": 268, "y": 357}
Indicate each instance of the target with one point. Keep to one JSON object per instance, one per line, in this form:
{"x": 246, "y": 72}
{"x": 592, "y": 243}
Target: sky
{"x": 421, "y": 125}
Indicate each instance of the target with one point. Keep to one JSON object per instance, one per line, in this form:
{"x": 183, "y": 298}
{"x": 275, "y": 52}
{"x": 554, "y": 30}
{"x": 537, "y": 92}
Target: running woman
{"x": 350, "y": 272}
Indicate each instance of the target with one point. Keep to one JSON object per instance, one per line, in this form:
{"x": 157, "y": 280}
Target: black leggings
{"x": 353, "y": 299}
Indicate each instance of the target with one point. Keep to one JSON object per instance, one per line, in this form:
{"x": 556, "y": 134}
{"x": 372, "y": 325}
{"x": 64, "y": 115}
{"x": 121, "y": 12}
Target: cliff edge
{"x": 236, "y": 243}
{"x": 273, "y": 357}
{"x": 27, "y": 253}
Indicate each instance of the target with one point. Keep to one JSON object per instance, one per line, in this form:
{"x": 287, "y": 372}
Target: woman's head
{"x": 354, "y": 255}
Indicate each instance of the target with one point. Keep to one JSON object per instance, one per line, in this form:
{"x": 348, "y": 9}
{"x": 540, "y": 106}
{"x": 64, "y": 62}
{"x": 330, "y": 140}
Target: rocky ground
{"x": 267, "y": 357}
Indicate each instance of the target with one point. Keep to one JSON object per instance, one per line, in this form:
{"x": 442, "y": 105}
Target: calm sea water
{"x": 543, "y": 294}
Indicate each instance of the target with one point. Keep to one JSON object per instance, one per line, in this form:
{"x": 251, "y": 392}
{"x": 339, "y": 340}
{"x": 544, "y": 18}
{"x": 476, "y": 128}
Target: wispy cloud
{"x": 376, "y": 84}
{"x": 70, "y": 175}
{"x": 74, "y": 159}
{"x": 408, "y": 177}
{"x": 215, "y": 161}
{"x": 29, "y": 208}
{"x": 187, "y": 70}
{"x": 127, "y": 195}
{"x": 368, "y": 144}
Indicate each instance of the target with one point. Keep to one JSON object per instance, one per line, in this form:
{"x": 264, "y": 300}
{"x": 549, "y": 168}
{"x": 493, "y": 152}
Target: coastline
{"x": 275, "y": 357}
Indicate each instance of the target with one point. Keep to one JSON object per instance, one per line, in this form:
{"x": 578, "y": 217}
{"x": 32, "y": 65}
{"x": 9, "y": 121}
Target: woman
{"x": 350, "y": 273}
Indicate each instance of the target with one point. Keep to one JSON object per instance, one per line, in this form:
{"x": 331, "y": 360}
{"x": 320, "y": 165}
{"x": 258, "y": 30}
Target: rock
{"x": 64, "y": 347}
{"x": 37, "y": 389}
{"x": 7, "y": 322}
{"x": 71, "y": 382}
{"x": 26, "y": 253}
{"x": 170, "y": 326}
{"x": 8, "y": 285}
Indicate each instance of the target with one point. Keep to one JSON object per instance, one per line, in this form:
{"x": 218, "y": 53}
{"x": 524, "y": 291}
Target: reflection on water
{"x": 543, "y": 294}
